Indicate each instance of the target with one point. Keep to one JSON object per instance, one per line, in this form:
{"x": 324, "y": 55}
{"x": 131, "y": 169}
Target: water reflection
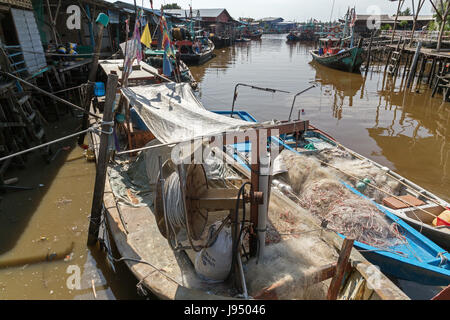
{"x": 339, "y": 85}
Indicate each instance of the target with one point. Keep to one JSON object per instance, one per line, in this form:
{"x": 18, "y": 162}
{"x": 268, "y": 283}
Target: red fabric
{"x": 441, "y": 222}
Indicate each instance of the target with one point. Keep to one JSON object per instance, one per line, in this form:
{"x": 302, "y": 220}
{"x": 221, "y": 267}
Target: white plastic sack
{"x": 214, "y": 263}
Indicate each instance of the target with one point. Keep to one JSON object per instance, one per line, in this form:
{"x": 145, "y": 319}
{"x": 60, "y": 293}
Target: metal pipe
{"x": 253, "y": 87}
{"x": 295, "y": 97}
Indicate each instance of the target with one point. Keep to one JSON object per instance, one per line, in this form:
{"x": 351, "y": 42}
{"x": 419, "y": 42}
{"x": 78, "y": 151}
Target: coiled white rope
{"x": 174, "y": 202}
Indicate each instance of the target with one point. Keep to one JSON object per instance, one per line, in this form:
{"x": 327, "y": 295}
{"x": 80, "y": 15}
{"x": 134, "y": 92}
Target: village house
{"x": 217, "y": 21}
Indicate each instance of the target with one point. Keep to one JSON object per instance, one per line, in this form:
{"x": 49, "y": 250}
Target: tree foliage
{"x": 171, "y": 6}
{"x": 440, "y": 6}
{"x": 406, "y": 12}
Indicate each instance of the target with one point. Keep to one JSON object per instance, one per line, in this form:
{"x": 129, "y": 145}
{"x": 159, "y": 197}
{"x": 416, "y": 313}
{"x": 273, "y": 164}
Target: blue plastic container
{"x": 99, "y": 89}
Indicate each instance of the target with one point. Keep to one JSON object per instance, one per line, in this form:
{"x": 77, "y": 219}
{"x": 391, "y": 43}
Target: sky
{"x": 291, "y": 10}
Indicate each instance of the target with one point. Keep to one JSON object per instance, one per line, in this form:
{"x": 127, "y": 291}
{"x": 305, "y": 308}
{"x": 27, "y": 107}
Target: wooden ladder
{"x": 395, "y": 59}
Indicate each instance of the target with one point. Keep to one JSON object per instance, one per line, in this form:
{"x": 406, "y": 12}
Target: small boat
{"x": 414, "y": 258}
{"x": 155, "y": 59}
{"x": 242, "y": 40}
{"x": 293, "y": 36}
{"x": 198, "y": 51}
{"x": 253, "y": 35}
{"x": 330, "y": 54}
{"x": 293, "y": 267}
{"x": 220, "y": 41}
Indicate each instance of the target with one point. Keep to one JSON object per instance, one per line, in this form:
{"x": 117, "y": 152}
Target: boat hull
{"x": 349, "y": 60}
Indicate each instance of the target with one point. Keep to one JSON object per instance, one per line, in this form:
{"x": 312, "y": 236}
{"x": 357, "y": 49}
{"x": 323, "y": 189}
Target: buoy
{"x": 362, "y": 185}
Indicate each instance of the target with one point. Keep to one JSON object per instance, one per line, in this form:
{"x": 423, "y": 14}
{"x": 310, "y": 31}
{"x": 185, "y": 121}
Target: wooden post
{"x": 369, "y": 53}
{"x": 87, "y": 106}
{"x": 416, "y": 15}
{"x": 102, "y": 22}
{"x": 342, "y": 263}
{"x": 102, "y": 160}
{"x": 421, "y": 71}
{"x": 412, "y": 71}
{"x": 400, "y": 4}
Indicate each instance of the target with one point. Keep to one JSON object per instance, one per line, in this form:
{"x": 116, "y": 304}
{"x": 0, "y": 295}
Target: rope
{"x": 174, "y": 202}
{"x": 45, "y": 144}
{"x": 50, "y": 94}
{"x": 443, "y": 258}
{"x": 68, "y": 89}
{"x": 110, "y": 256}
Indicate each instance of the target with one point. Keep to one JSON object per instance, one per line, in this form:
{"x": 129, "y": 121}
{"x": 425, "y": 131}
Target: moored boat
{"x": 293, "y": 36}
{"x": 243, "y": 40}
{"x": 408, "y": 254}
{"x": 299, "y": 253}
{"x": 333, "y": 56}
{"x": 195, "y": 52}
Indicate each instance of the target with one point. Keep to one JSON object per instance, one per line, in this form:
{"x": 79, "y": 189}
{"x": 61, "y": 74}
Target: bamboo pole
{"x": 400, "y": 4}
{"x": 100, "y": 177}
{"x": 416, "y": 15}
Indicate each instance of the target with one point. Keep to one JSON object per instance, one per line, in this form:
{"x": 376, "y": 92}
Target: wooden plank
{"x": 97, "y": 202}
{"x": 344, "y": 256}
{"x": 408, "y": 201}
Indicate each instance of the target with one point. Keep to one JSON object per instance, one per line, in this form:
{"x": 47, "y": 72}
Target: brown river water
{"x": 406, "y": 131}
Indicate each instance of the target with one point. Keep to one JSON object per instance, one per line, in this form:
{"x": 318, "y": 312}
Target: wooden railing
{"x": 418, "y": 34}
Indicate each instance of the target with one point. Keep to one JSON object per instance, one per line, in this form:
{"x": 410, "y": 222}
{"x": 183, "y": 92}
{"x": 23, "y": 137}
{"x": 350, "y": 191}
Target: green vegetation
{"x": 171, "y": 6}
{"x": 406, "y": 12}
{"x": 403, "y": 24}
{"x": 440, "y": 6}
{"x": 386, "y": 27}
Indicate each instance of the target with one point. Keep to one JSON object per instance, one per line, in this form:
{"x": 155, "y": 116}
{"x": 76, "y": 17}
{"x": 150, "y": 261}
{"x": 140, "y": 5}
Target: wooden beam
{"x": 400, "y": 4}
{"x": 443, "y": 23}
{"x": 100, "y": 176}
{"x": 416, "y": 14}
{"x": 341, "y": 267}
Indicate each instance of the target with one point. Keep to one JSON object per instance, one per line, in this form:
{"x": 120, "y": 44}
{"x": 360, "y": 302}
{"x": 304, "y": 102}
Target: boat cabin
{"x": 331, "y": 46}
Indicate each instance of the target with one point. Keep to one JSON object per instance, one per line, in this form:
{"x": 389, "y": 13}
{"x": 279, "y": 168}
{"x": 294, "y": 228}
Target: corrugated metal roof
{"x": 26, "y": 4}
{"x": 271, "y": 19}
{"x": 204, "y": 13}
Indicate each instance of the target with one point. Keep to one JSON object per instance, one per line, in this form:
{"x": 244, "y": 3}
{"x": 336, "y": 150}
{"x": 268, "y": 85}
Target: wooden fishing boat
{"x": 416, "y": 258}
{"x": 335, "y": 57}
{"x": 155, "y": 59}
{"x": 196, "y": 52}
{"x": 253, "y": 35}
{"x": 139, "y": 230}
{"x": 221, "y": 41}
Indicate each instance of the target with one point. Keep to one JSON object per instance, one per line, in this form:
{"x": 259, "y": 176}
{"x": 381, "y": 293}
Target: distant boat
{"x": 254, "y": 35}
{"x": 293, "y": 36}
{"x": 242, "y": 40}
{"x": 332, "y": 56}
{"x": 196, "y": 52}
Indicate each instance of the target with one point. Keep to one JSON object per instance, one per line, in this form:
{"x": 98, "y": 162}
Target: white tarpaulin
{"x": 172, "y": 112}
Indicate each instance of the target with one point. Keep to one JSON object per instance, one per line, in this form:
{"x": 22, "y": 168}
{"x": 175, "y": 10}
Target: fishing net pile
{"x": 292, "y": 261}
{"x": 319, "y": 190}
{"x": 361, "y": 169}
